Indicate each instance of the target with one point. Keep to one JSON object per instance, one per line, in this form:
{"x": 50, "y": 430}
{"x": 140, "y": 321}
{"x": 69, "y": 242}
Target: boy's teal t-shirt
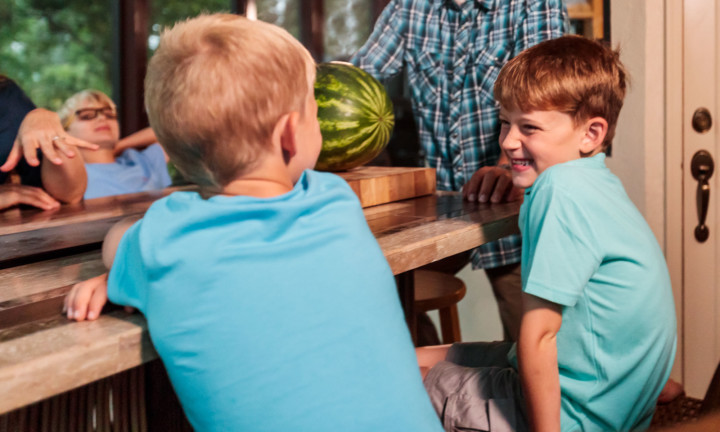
{"x": 276, "y": 314}
{"x": 588, "y": 248}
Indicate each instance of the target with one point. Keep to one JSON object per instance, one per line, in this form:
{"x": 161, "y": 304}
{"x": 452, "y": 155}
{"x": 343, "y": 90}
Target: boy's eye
{"x": 530, "y": 128}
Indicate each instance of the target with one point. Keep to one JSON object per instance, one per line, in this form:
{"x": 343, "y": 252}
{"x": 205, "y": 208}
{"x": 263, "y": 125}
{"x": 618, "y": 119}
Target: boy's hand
{"x": 14, "y": 194}
{"x": 41, "y": 129}
{"x": 491, "y": 183}
{"x": 86, "y": 299}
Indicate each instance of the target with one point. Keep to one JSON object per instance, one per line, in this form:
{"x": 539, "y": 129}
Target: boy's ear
{"x": 595, "y": 131}
{"x": 285, "y": 130}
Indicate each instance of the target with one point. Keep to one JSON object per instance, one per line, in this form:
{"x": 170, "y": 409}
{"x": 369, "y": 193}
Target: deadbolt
{"x": 701, "y": 120}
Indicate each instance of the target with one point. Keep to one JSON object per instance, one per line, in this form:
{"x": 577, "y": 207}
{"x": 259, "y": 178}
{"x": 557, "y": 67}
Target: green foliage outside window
{"x": 54, "y": 48}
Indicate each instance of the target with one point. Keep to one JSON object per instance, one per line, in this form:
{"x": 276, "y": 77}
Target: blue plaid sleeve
{"x": 543, "y": 20}
{"x": 536, "y": 21}
{"x": 382, "y": 54}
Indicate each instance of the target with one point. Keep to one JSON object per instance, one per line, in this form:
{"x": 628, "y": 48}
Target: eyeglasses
{"x": 86, "y": 114}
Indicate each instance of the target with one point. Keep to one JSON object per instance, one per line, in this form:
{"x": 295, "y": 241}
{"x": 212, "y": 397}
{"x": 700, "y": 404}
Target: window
{"x": 54, "y": 49}
{"x": 348, "y": 24}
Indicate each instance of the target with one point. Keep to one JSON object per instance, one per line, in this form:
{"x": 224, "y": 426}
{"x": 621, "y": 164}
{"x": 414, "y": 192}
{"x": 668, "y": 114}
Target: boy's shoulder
{"x": 313, "y": 188}
{"x": 575, "y": 175}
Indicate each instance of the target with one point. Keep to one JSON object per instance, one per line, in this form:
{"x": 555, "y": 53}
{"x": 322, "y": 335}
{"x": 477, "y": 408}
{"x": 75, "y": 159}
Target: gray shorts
{"x": 476, "y": 389}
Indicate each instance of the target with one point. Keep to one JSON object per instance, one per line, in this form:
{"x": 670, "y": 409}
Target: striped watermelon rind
{"x": 355, "y": 115}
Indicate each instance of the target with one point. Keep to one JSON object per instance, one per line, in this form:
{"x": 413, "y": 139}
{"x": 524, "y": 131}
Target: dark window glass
{"x": 282, "y": 13}
{"x": 348, "y": 24}
{"x": 165, "y": 13}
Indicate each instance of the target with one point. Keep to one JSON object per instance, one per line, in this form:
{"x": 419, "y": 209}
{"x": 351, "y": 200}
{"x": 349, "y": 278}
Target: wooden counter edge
{"x": 50, "y": 362}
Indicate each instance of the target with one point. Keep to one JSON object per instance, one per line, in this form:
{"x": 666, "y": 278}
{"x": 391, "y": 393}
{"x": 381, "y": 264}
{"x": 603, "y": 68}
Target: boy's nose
{"x": 509, "y": 141}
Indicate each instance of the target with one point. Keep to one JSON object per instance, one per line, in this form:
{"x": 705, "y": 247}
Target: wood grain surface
{"x": 381, "y": 185}
{"x": 32, "y": 234}
{"x": 29, "y": 232}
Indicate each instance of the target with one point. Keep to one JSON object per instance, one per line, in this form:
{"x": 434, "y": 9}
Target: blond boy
{"x": 266, "y": 295}
{"x": 598, "y": 334}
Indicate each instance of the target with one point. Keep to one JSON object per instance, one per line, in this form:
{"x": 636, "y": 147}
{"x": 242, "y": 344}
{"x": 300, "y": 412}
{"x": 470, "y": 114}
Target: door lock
{"x": 701, "y": 120}
{"x": 702, "y": 167}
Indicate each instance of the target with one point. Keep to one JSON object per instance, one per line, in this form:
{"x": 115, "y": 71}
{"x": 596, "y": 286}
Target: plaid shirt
{"x": 453, "y": 55}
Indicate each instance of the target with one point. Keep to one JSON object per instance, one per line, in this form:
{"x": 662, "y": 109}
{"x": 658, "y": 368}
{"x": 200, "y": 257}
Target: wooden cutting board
{"x": 380, "y": 185}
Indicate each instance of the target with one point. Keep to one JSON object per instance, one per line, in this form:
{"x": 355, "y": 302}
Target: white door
{"x": 701, "y": 269}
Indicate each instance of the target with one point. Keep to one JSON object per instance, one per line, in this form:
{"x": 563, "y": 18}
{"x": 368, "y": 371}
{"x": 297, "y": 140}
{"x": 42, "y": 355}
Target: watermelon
{"x": 355, "y": 115}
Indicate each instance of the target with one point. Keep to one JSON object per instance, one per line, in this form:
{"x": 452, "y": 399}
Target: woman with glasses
{"x": 34, "y": 145}
{"x": 91, "y": 116}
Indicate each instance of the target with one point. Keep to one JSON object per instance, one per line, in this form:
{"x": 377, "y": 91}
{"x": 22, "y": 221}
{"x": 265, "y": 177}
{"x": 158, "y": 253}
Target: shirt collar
{"x": 488, "y": 5}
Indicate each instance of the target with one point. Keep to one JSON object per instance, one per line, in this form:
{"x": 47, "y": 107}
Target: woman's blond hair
{"x": 68, "y": 108}
{"x": 215, "y": 89}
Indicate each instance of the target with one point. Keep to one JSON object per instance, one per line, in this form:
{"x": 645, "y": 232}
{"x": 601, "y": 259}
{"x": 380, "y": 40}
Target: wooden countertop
{"x": 31, "y": 232}
{"x": 45, "y": 354}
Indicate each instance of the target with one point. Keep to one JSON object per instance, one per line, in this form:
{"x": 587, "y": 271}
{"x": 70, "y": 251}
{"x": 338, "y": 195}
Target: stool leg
{"x": 450, "y": 324}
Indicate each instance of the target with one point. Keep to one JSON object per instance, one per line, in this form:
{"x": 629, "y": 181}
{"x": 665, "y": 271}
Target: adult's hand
{"x": 41, "y": 129}
{"x": 491, "y": 183}
{"x": 14, "y": 194}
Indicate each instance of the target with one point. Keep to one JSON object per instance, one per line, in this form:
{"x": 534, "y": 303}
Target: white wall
{"x": 638, "y": 157}
{"x": 640, "y": 29}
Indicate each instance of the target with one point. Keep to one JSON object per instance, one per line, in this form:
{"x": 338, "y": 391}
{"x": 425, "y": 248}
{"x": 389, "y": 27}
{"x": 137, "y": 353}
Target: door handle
{"x": 702, "y": 168}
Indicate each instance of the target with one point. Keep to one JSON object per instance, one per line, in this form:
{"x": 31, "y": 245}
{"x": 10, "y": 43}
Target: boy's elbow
{"x": 73, "y": 197}
{"x": 67, "y": 182}
{"x": 113, "y": 237}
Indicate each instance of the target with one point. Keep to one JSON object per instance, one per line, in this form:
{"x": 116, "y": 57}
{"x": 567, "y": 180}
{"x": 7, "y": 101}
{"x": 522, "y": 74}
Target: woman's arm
{"x": 139, "y": 139}
{"x": 63, "y": 171}
{"x": 537, "y": 359}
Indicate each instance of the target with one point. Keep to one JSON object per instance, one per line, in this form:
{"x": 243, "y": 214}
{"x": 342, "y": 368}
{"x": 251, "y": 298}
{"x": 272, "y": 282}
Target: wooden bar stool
{"x": 440, "y": 291}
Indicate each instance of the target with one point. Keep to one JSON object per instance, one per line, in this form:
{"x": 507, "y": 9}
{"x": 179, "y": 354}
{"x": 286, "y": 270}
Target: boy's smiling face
{"x": 537, "y": 140}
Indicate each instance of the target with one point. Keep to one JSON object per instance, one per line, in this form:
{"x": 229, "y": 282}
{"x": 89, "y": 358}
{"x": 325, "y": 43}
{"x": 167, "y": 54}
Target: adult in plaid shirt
{"x": 452, "y": 51}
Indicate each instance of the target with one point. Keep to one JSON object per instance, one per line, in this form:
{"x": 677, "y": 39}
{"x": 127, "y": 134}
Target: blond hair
{"x": 215, "y": 89}
{"x": 68, "y": 108}
{"x": 572, "y": 75}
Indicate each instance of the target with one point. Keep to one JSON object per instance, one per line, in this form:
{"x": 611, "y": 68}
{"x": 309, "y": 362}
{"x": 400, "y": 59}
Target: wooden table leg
{"x": 406, "y": 290}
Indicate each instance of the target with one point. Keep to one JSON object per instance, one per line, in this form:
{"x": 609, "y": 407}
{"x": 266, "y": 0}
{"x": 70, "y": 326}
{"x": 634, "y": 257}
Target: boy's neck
{"x": 257, "y": 187}
{"x": 269, "y": 179}
{"x": 101, "y": 155}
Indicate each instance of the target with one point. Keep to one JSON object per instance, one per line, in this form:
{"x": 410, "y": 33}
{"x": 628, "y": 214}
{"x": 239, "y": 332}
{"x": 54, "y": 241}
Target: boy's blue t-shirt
{"x": 274, "y": 314}
{"x": 588, "y": 248}
{"x": 133, "y": 171}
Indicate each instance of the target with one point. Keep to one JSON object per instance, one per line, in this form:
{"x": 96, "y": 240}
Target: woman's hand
{"x": 41, "y": 129}
{"x": 15, "y": 194}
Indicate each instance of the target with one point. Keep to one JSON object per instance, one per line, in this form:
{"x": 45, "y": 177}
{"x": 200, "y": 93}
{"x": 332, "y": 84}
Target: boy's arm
{"x": 429, "y": 356}
{"x": 86, "y": 299}
{"x": 113, "y": 237}
{"x": 537, "y": 359}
